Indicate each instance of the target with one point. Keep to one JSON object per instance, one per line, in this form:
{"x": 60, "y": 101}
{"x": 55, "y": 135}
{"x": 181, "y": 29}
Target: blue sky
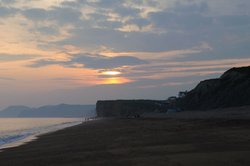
{"x": 79, "y": 51}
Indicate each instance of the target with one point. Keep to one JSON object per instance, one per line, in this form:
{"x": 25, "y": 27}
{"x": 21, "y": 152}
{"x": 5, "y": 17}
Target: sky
{"x": 81, "y": 51}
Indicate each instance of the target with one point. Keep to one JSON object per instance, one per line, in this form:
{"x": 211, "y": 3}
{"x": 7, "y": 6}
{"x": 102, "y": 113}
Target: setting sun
{"x": 111, "y": 73}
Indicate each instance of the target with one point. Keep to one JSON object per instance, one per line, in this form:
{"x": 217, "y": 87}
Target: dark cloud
{"x": 109, "y": 24}
{"x": 15, "y": 57}
{"x": 102, "y": 21}
{"x": 47, "y": 30}
{"x": 108, "y": 3}
{"x": 36, "y": 14}
{"x": 140, "y": 22}
{"x": 98, "y": 16}
{"x": 190, "y": 7}
{"x": 42, "y": 63}
{"x": 188, "y": 17}
{"x": 235, "y": 20}
{"x": 5, "y": 11}
{"x": 94, "y": 37}
{"x": 94, "y": 61}
{"x": 173, "y": 22}
{"x": 130, "y": 41}
{"x": 180, "y": 26}
{"x": 7, "y": 1}
{"x": 101, "y": 31}
{"x": 107, "y": 62}
{"x": 62, "y": 15}
{"x": 72, "y": 4}
{"x": 65, "y": 15}
{"x": 127, "y": 11}
{"x": 100, "y": 4}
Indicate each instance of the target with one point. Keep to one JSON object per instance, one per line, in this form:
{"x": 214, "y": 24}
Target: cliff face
{"x": 127, "y": 108}
{"x": 230, "y": 90}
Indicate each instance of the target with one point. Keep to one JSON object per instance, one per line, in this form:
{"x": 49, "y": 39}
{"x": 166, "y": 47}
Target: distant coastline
{"x": 49, "y": 111}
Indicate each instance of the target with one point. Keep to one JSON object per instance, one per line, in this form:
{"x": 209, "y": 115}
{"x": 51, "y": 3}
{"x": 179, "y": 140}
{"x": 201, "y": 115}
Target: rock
{"x": 232, "y": 89}
{"x": 127, "y": 108}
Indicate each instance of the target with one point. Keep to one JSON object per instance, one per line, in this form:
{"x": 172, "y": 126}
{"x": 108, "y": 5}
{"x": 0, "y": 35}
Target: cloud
{"x": 161, "y": 43}
{"x": 129, "y": 41}
{"x": 7, "y": 1}
{"x": 124, "y": 26}
{"x": 15, "y": 57}
{"x": 100, "y": 62}
{"x": 66, "y": 79}
{"x": 235, "y": 20}
{"x": 36, "y": 14}
{"x": 93, "y": 61}
{"x": 7, "y": 79}
{"x": 47, "y": 30}
{"x": 182, "y": 17}
{"x": 108, "y": 3}
{"x": 191, "y": 7}
{"x": 62, "y": 15}
{"x": 72, "y": 4}
{"x": 140, "y": 22}
{"x": 124, "y": 11}
{"x": 175, "y": 22}
{"x": 65, "y": 15}
{"x": 181, "y": 69}
{"x": 6, "y": 11}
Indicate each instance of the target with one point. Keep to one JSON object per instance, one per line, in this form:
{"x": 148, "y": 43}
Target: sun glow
{"x": 115, "y": 80}
{"x": 111, "y": 73}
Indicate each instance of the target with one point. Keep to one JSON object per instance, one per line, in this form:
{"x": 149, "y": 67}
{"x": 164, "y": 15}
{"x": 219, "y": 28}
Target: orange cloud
{"x": 115, "y": 80}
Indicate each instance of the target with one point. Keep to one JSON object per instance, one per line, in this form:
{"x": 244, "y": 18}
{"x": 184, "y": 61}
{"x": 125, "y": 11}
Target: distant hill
{"x": 14, "y": 111}
{"x": 232, "y": 89}
{"x": 61, "y": 110}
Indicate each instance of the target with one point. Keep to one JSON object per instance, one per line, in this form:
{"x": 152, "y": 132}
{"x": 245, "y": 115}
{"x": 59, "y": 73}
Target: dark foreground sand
{"x": 141, "y": 142}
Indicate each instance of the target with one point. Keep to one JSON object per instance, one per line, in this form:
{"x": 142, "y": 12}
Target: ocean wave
{"x": 18, "y": 137}
{"x": 13, "y": 138}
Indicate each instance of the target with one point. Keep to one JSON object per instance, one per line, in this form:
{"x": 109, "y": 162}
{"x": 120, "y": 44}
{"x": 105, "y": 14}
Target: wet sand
{"x": 139, "y": 142}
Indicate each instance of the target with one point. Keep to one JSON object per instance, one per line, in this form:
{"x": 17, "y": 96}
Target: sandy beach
{"x": 140, "y": 142}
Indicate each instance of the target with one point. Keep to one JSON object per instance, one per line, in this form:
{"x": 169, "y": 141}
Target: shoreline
{"x": 29, "y": 137}
{"x": 141, "y": 142}
{"x": 34, "y": 137}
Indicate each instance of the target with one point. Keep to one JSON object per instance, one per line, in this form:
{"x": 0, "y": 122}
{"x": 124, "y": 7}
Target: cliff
{"x": 127, "y": 108}
{"x": 232, "y": 89}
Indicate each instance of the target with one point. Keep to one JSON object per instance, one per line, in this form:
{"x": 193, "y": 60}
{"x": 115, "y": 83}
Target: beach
{"x": 139, "y": 142}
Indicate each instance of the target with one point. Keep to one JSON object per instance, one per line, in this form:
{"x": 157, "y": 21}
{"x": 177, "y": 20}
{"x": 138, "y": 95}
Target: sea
{"x": 17, "y": 131}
